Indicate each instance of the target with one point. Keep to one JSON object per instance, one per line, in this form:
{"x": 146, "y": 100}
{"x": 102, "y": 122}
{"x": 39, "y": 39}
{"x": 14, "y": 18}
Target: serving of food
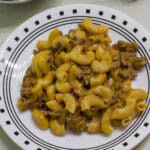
{"x": 79, "y": 81}
{"x": 76, "y": 77}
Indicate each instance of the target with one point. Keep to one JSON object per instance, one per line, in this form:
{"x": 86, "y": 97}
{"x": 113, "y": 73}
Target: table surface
{"x": 12, "y": 16}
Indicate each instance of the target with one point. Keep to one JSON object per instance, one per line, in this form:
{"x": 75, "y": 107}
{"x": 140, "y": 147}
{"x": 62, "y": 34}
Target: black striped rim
{"x": 14, "y": 59}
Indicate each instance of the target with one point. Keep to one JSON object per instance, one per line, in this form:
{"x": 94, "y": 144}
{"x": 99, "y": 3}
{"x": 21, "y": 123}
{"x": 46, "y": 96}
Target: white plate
{"x": 16, "y": 56}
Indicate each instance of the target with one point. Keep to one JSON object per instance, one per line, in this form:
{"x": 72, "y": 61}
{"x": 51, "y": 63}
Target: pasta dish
{"x": 81, "y": 82}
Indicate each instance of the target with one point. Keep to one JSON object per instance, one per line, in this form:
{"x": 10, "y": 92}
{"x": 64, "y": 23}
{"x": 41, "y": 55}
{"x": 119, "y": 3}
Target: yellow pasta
{"x": 74, "y": 72}
{"x": 63, "y": 87}
{"x": 79, "y": 34}
{"x": 50, "y": 91}
{"x": 54, "y": 106}
{"x": 98, "y": 79}
{"x": 62, "y": 72}
{"x": 141, "y": 106}
{"x": 70, "y": 103}
{"x": 48, "y": 79}
{"x": 127, "y": 120}
{"x": 57, "y": 128}
{"x": 43, "y": 82}
{"x": 65, "y": 57}
{"x": 104, "y": 65}
{"x": 121, "y": 113}
{"x": 63, "y": 41}
{"x": 39, "y": 63}
{"x": 93, "y": 28}
{"x": 82, "y": 59}
{"x": 94, "y": 125}
{"x": 92, "y": 47}
{"x": 40, "y": 119}
{"x": 59, "y": 97}
{"x": 43, "y": 45}
{"x": 102, "y": 91}
{"x": 97, "y": 38}
{"x": 37, "y": 89}
{"x": 91, "y": 100}
{"x": 78, "y": 87}
{"x": 127, "y": 85}
{"x": 106, "y": 125}
{"x": 53, "y": 35}
{"x": 138, "y": 94}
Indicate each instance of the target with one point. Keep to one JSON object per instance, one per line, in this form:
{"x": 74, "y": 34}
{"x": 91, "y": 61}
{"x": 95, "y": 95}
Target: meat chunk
{"x": 51, "y": 62}
{"x": 115, "y": 64}
{"x": 76, "y": 123}
{"x": 52, "y": 114}
{"x": 63, "y": 117}
{"x": 92, "y": 112}
{"x": 126, "y": 46}
{"x": 139, "y": 63}
{"x": 86, "y": 75}
{"x": 129, "y": 73}
{"x": 129, "y": 62}
{"x": 25, "y": 104}
{"x": 29, "y": 81}
{"x": 26, "y": 92}
{"x": 127, "y": 59}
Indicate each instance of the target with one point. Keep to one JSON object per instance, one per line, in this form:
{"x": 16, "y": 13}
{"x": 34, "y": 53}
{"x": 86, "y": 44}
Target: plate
{"x": 16, "y": 56}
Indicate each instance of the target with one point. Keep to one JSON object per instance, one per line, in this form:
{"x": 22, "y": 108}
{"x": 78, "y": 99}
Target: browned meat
{"x": 63, "y": 117}
{"x": 28, "y": 82}
{"x": 86, "y": 70}
{"x": 42, "y": 99}
{"x": 86, "y": 75}
{"x": 25, "y": 104}
{"x": 129, "y": 63}
{"x": 32, "y": 101}
{"x": 51, "y": 62}
{"x": 129, "y": 73}
{"x": 127, "y": 59}
{"x": 86, "y": 80}
{"x": 71, "y": 34}
{"x": 76, "y": 123}
{"x": 76, "y": 42}
{"x": 77, "y": 92}
{"x": 126, "y": 46}
{"x": 92, "y": 112}
{"x": 29, "y": 79}
{"x": 139, "y": 63}
{"x": 51, "y": 114}
{"x": 26, "y": 92}
{"x": 29, "y": 72}
{"x": 115, "y": 64}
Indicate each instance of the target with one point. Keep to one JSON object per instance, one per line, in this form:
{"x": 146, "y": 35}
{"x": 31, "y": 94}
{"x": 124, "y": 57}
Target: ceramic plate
{"x": 16, "y": 56}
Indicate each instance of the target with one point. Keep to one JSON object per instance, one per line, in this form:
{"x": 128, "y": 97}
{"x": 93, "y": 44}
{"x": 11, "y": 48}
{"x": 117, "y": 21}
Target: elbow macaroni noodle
{"x": 76, "y": 78}
{"x": 39, "y": 63}
{"x": 94, "y": 125}
{"x": 61, "y": 72}
{"x": 106, "y": 125}
{"x": 79, "y": 58}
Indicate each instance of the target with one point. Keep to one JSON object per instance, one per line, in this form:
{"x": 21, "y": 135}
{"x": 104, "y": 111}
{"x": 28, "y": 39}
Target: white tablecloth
{"x": 11, "y": 16}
